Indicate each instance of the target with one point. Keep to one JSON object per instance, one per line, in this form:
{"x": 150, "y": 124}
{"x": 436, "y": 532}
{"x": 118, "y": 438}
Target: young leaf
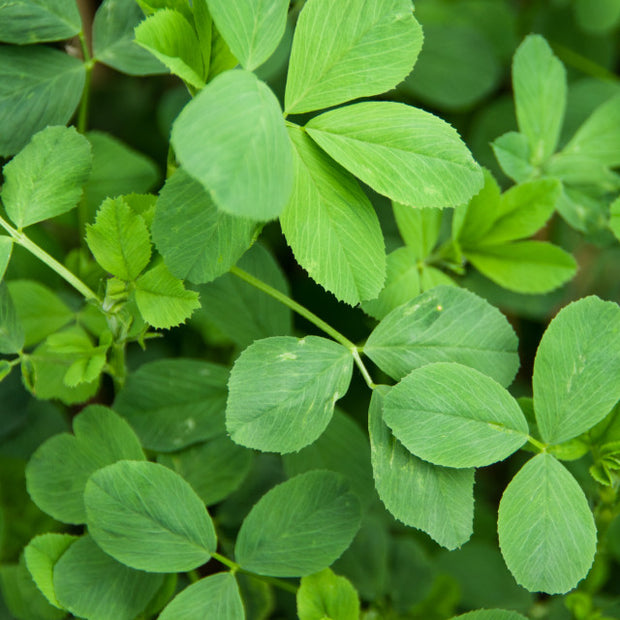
{"x": 576, "y": 369}
{"x": 326, "y": 595}
{"x": 236, "y": 121}
{"x": 252, "y": 28}
{"x": 282, "y": 392}
{"x": 6, "y": 249}
{"x": 11, "y": 330}
{"x": 39, "y": 86}
{"x": 90, "y": 584}
{"x": 446, "y": 324}
{"x": 329, "y": 65}
{"x": 198, "y": 242}
{"x": 436, "y": 500}
{"x": 147, "y": 517}
{"x": 524, "y": 266}
{"x": 119, "y": 240}
{"x": 173, "y": 41}
{"x": 57, "y": 472}
{"x": 546, "y": 528}
{"x": 454, "y": 416}
{"x": 162, "y": 299}
{"x": 172, "y": 403}
{"x": 512, "y": 152}
{"x": 402, "y": 152}
{"x": 539, "y": 83}
{"x": 299, "y": 527}
{"x": 45, "y": 179}
{"x": 219, "y": 594}
{"x": 344, "y": 249}
{"x": 490, "y": 614}
{"x": 419, "y": 228}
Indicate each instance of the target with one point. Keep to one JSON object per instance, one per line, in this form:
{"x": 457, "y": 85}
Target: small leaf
{"x": 6, "y": 249}
{"x": 162, "y": 299}
{"x": 32, "y": 21}
{"x": 147, "y": 517}
{"x": 372, "y": 50}
{"x": 282, "y": 392}
{"x": 11, "y": 330}
{"x": 326, "y": 595}
{"x": 546, "y": 528}
{"x": 512, "y": 152}
{"x": 45, "y": 179}
{"x": 299, "y": 527}
{"x": 218, "y": 593}
{"x": 419, "y": 228}
{"x": 405, "y": 153}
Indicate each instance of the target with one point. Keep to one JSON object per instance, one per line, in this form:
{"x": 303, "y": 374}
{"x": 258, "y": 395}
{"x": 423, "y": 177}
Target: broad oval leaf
{"x": 454, "y": 416}
{"x": 405, "y": 153}
{"x": 234, "y": 129}
{"x": 327, "y": 595}
{"x": 147, "y": 517}
{"x": 546, "y": 529}
{"x": 373, "y": 48}
{"x": 299, "y": 527}
{"x": 576, "y": 369}
{"x": 446, "y": 324}
{"x": 282, "y": 391}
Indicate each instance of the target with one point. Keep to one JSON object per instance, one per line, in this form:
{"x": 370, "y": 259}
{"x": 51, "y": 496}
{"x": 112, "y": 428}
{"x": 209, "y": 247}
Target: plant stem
{"x": 541, "y": 447}
{"x": 362, "y": 368}
{"x": 85, "y": 101}
{"x": 583, "y": 64}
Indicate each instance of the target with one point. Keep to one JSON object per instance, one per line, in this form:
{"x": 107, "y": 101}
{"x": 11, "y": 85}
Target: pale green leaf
{"x": 539, "y": 84}
{"x": 6, "y": 249}
{"x": 119, "y": 240}
{"x": 12, "y": 334}
{"x": 45, "y": 179}
{"x": 39, "y": 86}
{"x": 326, "y": 595}
{"x": 299, "y": 527}
{"x": 251, "y": 28}
{"x": 203, "y": 25}
{"x": 57, "y": 472}
{"x": 197, "y": 241}
{"x": 446, "y": 324}
{"x": 402, "y": 152}
{"x": 343, "y": 250}
{"x": 490, "y": 614}
{"x": 614, "y": 219}
{"x": 577, "y": 368}
{"x": 454, "y": 416}
{"x": 221, "y": 58}
{"x": 436, "y": 500}
{"x": 147, "y": 517}
{"x": 282, "y": 391}
{"x": 219, "y": 594}
{"x": 173, "y": 41}
{"x": 373, "y": 48}
{"x": 172, "y": 403}
{"x": 524, "y": 266}
{"x": 90, "y": 584}
{"x": 546, "y": 529}
{"x": 430, "y": 277}
{"x": 512, "y": 151}
{"x": 162, "y": 299}
{"x": 419, "y": 228}
{"x": 236, "y": 122}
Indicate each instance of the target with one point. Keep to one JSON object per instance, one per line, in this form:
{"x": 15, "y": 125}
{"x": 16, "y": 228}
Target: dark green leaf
{"x": 11, "y": 329}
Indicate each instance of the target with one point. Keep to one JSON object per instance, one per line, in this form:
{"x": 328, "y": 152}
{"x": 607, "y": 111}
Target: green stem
{"x": 583, "y": 64}
{"x": 362, "y": 368}
{"x": 85, "y": 101}
{"x": 541, "y": 447}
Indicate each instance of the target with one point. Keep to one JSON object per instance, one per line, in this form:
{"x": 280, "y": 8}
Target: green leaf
{"x": 6, "y": 249}
{"x": 454, "y": 416}
{"x": 147, "y": 517}
{"x": 430, "y": 277}
{"x": 512, "y": 151}
{"x": 402, "y": 152}
{"x": 490, "y": 614}
{"x": 57, "y": 472}
{"x": 326, "y": 595}
{"x": 11, "y": 330}
{"x": 221, "y": 58}
{"x": 5, "y": 369}
{"x": 113, "y": 39}
{"x": 198, "y": 242}
{"x": 436, "y": 500}
{"x": 546, "y": 528}
{"x": 162, "y": 299}
{"x": 33, "y": 21}
{"x": 39, "y": 86}
{"x": 236, "y": 121}
{"x": 614, "y": 219}
{"x": 539, "y": 84}
{"x": 446, "y": 324}
{"x": 41, "y": 555}
{"x": 524, "y": 266}
{"x": 173, "y": 41}
{"x": 282, "y": 392}
{"x": 576, "y": 369}
{"x": 45, "y": 179}
{"x": 373, "y": 48}
{"x": 251, "y": 28}
{"x": 344, "y": 249}
{"x": 299, "y": 527}
{"x": 90, "y": 584}
{"x": 597, "y": 17}
{"x": 218, "y": 593}
{"x": 419, "y": 228}
{"x": 172, "y": 403}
